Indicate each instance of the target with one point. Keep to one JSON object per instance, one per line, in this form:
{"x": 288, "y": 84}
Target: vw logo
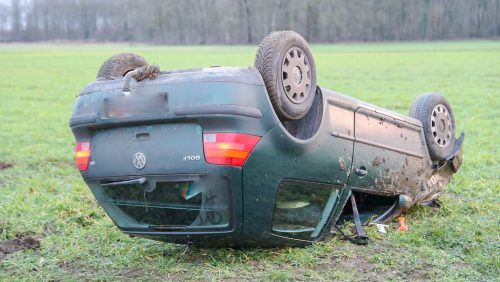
{"x": 139, "y": 160}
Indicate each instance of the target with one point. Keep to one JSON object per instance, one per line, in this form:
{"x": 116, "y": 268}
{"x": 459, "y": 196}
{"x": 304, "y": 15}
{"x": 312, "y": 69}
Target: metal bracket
{"x": 126, "y": 86}
{"x": 150, "y": 71}
{"x": 138, "y": 181}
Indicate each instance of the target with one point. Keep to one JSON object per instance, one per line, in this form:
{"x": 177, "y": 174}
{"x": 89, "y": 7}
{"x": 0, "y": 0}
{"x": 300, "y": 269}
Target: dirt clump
{"x": 4, "y": 165}
{"x": 18, "y": 244}
{"x": 342, "y": 164}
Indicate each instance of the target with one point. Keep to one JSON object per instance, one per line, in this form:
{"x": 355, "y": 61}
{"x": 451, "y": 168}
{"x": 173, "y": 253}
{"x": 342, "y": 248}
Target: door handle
{"x": 361, "y": 171}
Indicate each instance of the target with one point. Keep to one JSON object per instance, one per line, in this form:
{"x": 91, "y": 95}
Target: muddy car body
{"x": 200, "y": 156}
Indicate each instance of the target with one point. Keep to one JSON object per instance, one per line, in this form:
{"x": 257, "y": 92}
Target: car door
{"x": 387, "y": 151}
{"x": 341, "y": 122}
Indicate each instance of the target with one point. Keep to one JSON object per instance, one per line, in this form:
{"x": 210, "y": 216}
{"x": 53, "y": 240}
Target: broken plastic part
{"x": 381, "y": 228}
{"x": 402, "y": 225}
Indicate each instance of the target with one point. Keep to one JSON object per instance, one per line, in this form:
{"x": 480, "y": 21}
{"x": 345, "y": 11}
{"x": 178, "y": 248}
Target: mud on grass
{"x": 44, "y": 194}
{"x": 4, "y": 165}
{"x": 18, "y": 244}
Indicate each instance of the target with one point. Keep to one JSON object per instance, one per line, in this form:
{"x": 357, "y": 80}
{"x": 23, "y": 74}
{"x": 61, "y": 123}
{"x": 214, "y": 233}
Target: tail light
{"x": 228, "y": 148}
{"x": 82, "y": 155}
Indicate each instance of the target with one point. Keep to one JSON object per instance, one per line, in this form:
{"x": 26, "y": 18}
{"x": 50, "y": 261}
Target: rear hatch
{"x": 147, "y": 150}
{"x": 147, "y": 165}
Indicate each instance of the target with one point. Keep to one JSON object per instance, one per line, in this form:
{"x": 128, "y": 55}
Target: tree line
{"x": 246, "y": 21}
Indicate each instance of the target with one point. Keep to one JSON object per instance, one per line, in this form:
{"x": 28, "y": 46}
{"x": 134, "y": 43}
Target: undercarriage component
{"x": 150, "y": 71}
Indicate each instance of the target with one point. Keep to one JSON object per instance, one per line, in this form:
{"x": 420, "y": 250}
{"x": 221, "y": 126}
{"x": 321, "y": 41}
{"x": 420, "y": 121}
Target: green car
{"x": 254, "y": 156}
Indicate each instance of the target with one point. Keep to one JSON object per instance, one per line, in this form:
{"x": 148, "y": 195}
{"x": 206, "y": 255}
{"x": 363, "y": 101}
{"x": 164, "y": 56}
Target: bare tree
{"x": 245, "y": 21}
{"x": 247, "y": 14}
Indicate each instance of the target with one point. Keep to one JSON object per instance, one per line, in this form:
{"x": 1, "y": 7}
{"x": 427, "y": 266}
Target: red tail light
{"x": 82, "y": 155}
{"x": 228, "y": 148}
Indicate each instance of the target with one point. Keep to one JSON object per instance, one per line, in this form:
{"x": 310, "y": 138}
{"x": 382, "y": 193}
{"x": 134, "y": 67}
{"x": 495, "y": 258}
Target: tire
{"x": 287, "y": 67}
{"x": 436, "y": 116}
{"x": 119, "y": 65}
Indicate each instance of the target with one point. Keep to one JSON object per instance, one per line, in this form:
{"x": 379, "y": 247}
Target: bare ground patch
{"x": 15, "y": 245}
{"x": 4, "y": 165}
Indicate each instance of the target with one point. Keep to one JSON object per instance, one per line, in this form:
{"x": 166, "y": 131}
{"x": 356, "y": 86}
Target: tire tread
{"x": 119, "y": 64}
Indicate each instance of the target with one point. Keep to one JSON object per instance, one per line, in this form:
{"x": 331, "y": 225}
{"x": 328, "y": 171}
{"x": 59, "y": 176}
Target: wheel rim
{"x": 441, "y": 125}
{"x": 296, "y": 75}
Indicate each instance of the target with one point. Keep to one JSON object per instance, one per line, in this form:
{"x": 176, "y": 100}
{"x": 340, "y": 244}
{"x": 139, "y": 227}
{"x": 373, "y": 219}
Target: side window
{"x": 302, "y": 208}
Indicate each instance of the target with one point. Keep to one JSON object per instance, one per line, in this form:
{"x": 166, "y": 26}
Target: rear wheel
{"x": 120, "y": 64}
{"x": 287, "y": 67}
{"x": 435, "y": 113}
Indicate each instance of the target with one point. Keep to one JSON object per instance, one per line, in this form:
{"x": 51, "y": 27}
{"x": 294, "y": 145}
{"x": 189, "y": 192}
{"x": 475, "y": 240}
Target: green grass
{"x": 43, "y": 193}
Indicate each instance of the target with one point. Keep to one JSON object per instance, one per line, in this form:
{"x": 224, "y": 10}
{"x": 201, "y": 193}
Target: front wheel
{"x": 436, "y": 116}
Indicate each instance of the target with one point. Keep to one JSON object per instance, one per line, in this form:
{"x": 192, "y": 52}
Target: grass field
{"x": 42, "y": 194}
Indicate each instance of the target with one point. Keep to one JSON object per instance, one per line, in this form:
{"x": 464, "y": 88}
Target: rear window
{"x": 167, "y": 205}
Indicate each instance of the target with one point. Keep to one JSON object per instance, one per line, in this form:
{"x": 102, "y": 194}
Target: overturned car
{"x": 252, "y": 156}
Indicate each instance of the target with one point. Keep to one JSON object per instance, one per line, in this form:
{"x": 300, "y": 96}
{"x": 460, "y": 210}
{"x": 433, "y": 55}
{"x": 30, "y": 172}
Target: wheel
{"x": 435, "y": 113}
{"x": 120, "y": 64}
{"x": 287, "y": 67}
